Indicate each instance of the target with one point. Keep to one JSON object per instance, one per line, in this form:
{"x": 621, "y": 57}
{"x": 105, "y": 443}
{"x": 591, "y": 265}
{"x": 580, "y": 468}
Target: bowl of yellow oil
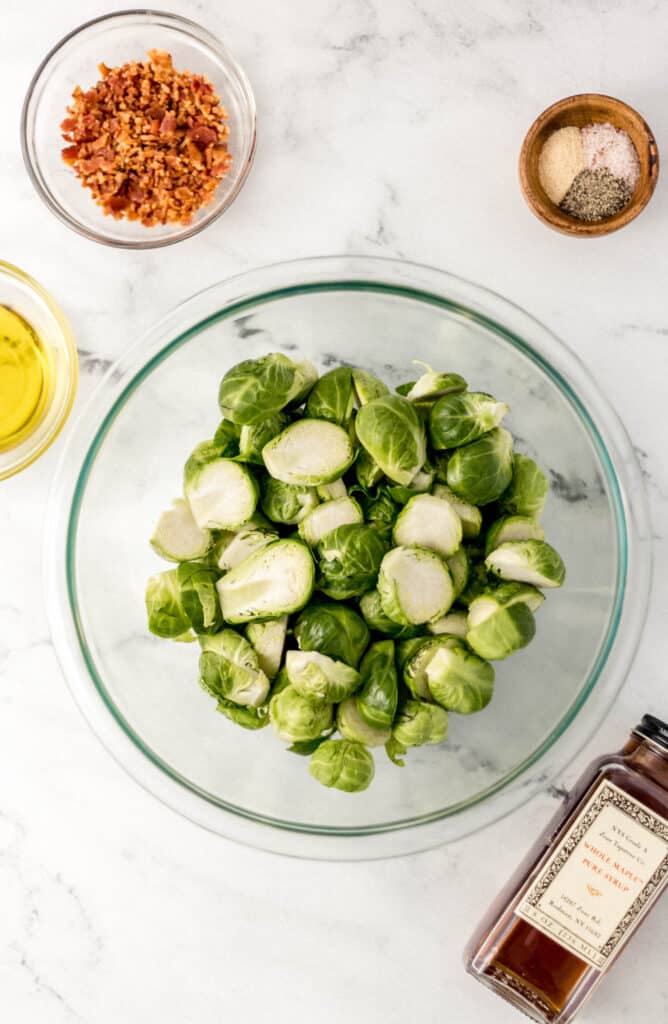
{"x": 38, "y": 369}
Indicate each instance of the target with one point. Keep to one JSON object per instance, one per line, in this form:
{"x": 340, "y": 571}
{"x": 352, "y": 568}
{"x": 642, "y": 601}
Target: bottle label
{"x": 603, "y": 877}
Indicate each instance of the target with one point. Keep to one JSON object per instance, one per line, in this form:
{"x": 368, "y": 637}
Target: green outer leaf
{"x": 528, "y": 489}
{"x": 459, "y": 419}
{"x": 332, "y": 397}
{"x": 247, "y": 718}
{"x": 481, "y": 471}
{"x": 367, "y": 387}
{"x": 503, "y": 633}
{"x": 306, "y": 747}
{"x": 392, "y": 433}
{"x": 164, "y": 608}
{"x": 199, "y": 597}
{"x": 342, "y": 764}
{"x": 379, "y": 694}
{"x": 254, "y": 437}
{"x": 349, "y": 559}
{"x": 332, "y": 629}
{"x": 226, "y": 439}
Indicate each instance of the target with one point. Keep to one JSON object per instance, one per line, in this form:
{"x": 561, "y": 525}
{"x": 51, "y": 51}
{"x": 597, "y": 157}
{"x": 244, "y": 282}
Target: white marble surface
{"x": 385, "y": 127}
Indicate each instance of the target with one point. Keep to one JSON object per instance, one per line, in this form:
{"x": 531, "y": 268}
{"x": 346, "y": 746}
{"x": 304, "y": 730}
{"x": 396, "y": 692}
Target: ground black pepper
{"x": 595, "y": 195}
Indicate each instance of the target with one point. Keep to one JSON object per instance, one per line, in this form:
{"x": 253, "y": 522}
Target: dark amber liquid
{"x": 531, "y": 970}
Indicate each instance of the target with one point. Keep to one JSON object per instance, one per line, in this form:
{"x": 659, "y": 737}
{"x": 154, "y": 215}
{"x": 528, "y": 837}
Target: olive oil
{"x": 25, "y": 376}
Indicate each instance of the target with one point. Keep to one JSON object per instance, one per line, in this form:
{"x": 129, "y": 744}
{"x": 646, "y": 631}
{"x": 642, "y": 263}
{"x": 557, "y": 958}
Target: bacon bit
{"x": 148, "y": 142}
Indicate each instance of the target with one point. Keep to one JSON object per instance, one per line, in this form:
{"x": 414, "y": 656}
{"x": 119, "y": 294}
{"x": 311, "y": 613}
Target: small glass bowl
{"x": 115, "y": 39}
{"x": 24, "y": 296}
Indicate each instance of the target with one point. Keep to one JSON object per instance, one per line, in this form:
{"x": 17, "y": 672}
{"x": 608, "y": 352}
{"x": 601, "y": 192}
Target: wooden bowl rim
{"x": 547, "y": 211}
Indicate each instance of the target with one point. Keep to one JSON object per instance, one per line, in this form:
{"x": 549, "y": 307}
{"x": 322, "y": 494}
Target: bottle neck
{"x": 647, "y": 749}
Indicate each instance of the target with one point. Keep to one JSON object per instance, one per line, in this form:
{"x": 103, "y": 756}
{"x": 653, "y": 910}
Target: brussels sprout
{"x": 459, "y": 567}
{"x": 247, "y": 718}
{"x": 352, "y": 726}
{"x": 253, "y": 437}
{"x": 296, "y": 719}
{"x": 375, "y": 618}
{"x": 392, "y": 433}
{"x": 177, "y": 537}
{"x": 348, "y": 559}
{"x": 512, "y": 528}
{"x": 430, "y": 523}
{"x": 230, "y": 670}
{"x": 222, "y": 494}
{"x": 326, "y": 517}
{"x": 458, "y": 680}
{"x": 166, "y": 615}
{"x": 470, "y": 515}
{"x": 414, "y": 662}
{"x": 319, "y": 677}
{"x": 199, "y": 597}
{"x": 332, "y": 397}
{"x": 330, "y": 492}
{"x": 433, "y": 384}
{"x": 276, "y": 580}
{"x": 368, "y": 472}
{"x": 414, "y": 586}
{"x": 480, "y": 472}
{"x": 367, "y": 387}
{"x": 460, "y": 419}
{"x": 409, "y": 646}
{"x": 455, "y": 623}
{"x": 418, "y": 723}
{"x": 376, "y": 702}
{"x": 380, "y": 513}
{"x": 242, "y": 545}
{"x": 287, "y": 503}
{"x": 503, "y": 633}
{"x": 268, "y": 641}
{"x": 308, "y": 453}
{"x": 528, "y": 489}
{"x": 342, "y": 764}
{"x": 334, "y": 630}
{"x": 527, "y": 561}
{"x": 256, "y": 389}
{"x": 226, "y": 439}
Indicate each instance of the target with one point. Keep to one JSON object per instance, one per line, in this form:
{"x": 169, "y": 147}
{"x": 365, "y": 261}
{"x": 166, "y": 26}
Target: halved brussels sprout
{"x": 527, "y": 561}
{"x": 367, "y": 387}
{"x": 242, "y": 545}
{"x": 253, "y": 437}
{"x": 164, "y": 607}
{"x": 348, "y": 559}
{"x": 352, "y": 726}
{"x": 368, "y": 472}
{"x": 256, "y": 389}
{"x": 230, "y": 670}
{"x": 503, "y": 633}
{"x": 418, "y": 723}
{"x": 414, "y": 586}
{"x": 199, "y": 597}
{"x": 332, "y": 397}
{"x": 428, "y": 522}
{"x": 470, "y": 515}
{"x": 332, "y": 629}
{"x": 296, "y": 719}
{"x": 342, "y": 764}
{"x": 491, "y": 601}
{"x": 512, "y": 528}
{"x": 319, "y": 677}
{"x": 414, "y": 667}
{"x": 528, "y": 488}
{"x": 459, "y": 567}
{"x": 433, "y": 384}
{"x": 459, "y": 680}
{"x": 460, "y": 419}
{"x": 247, "y": 718}
{"x": 329, "y": 492}
{"x": 326, "y": 517}
{"x": 377, "y": 699}
{"x": 222, "y": 494}
{"x": 268, "y": 641}
{"x": 308, "y": 453}
{"x": 177, "y": 537}
{"x": 392, "y": 433}
{"x": 480, "y": 472}
{"x": 226, "y": 439}
{"x": 455, "y": 623}
{"x": 287, "y": 503}
{"x": 375, "y": 618}
{"x": 276, "y": 580}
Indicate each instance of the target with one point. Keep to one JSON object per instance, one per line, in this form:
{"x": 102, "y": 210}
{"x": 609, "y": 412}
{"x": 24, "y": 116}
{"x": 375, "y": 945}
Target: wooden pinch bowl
{"x": 578, "y": 111}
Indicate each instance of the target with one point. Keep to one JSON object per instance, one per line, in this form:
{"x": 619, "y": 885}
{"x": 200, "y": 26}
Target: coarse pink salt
{"x": 608, "y": 147}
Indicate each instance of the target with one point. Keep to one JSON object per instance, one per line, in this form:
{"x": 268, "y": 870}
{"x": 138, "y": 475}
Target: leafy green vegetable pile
{"x": 351, "y": 560}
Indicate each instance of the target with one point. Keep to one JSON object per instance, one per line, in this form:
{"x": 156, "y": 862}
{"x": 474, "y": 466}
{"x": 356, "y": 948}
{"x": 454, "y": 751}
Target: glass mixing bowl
{"x": 114, "y": 39}
{"x": 123, "y": 465}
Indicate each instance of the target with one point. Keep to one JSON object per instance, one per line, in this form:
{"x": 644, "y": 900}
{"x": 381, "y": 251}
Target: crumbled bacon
{"x": 149, "y": 142}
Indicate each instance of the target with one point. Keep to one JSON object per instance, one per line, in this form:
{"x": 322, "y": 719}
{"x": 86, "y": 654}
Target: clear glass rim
{"x": 32, "y": 164}
{"x": 12, "y": 272}
{"x": 390, "y": 277}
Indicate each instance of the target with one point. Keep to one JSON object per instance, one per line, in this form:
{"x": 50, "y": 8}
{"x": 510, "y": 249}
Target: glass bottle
{"x": 585, "y": 886}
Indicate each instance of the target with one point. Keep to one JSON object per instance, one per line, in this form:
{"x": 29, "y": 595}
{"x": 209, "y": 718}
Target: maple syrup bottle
{"x": 584, "y": 888}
